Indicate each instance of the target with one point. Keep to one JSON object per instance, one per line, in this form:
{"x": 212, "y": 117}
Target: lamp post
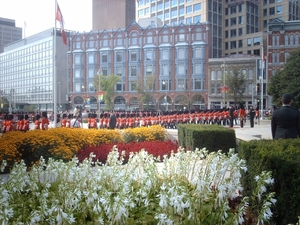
{"x": 252, "y": 100}
{"x": 58, "y": 95}
{"x": 166, "y": 97}
{"x": 261, "y": 96}
{"x": 99, "y": 104}
{"x": 224, "y": 88}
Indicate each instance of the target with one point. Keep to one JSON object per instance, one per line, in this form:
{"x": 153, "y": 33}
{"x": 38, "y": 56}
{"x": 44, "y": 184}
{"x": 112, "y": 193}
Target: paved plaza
{"x": 261, "y": 130}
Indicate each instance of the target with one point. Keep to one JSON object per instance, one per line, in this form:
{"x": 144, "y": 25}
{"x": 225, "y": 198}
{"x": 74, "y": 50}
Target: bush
{"x": 212, "y": 137}
{"x": 282, "y": 158}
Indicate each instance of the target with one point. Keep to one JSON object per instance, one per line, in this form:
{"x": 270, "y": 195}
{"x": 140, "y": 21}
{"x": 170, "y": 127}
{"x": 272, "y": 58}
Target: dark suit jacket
{"x": 285, "y": 123}
{"x": 112, "y": 121}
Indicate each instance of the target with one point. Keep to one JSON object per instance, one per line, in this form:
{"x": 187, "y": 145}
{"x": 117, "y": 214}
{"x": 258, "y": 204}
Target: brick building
{"x": 177, "y": 56}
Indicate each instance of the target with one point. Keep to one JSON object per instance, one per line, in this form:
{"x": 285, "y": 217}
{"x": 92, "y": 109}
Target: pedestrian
{"x": 251, "y": 113}
{"x": 112, "y": 121}
{"x": 242, "y": 114}
{"x": 45, "y": 121}
{"x": 231, "y": 115}
{"x": 75, "y": 123}
{"x": 285, "y": 121}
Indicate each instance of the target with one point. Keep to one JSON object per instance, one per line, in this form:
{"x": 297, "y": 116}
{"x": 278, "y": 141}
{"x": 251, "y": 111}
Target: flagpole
{"x": 54, "y": 70}
{"x": 25, "y": 29}
{"x": 262, "y": 83}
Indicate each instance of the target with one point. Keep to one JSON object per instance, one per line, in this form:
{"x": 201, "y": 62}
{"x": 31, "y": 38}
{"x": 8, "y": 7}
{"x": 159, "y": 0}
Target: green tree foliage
{"x": 4, "y": 104}
{"x": 235, "y": 80}
{"x": 287, "y": 80}
{"x": 107, "y": 85}
{"x": 145, "y": 89}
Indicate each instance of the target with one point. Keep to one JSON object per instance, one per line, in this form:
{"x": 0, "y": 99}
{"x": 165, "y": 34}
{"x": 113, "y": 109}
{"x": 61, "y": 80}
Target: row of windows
{"x": 174, "y": 12}
{"x": 133, "y": 70}
{"x": 289, "y": 40}
{"x": 45, "y": 49}
{"x": 217, "y": 89}
{"x": 271, "y": 1}
{"x": 234, "y": 9}
{"x": 168, "y": 3}
{"x": 164, "y": 85}
{"x": 134, "y": 56}
{"x": 272, "y": 11}
{"x": 165, "y": 37}
{"x": 34, "y": 60}
{"x": 218, "y": 75}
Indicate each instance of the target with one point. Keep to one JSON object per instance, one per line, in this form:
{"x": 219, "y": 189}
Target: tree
{"x": 107, "y": 85}
{"x": 287, "y": 80}
{"x": 4, "y": 104}
{"x": 145, "y": 89}
{"x": 235, "y": 80}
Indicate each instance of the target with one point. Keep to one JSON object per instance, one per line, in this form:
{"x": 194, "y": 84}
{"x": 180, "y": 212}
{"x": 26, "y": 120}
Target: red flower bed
{"x": 155, "y": 148}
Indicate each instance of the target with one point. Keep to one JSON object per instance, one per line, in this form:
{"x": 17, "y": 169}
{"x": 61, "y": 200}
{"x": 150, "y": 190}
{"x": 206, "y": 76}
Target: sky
{"x": 39, "y": 15}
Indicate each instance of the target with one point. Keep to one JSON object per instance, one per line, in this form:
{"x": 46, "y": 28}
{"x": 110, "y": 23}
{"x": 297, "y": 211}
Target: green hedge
{"x": 211, "y": 137}
{"x": 282, "y": 157}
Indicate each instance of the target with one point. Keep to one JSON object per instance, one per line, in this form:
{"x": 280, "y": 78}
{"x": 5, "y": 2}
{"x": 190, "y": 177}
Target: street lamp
{"x": 224, "y": 88}
{"x": 166, "y": 97}
{"x": 261, "y": 96}
{"x": 58, "y": 94}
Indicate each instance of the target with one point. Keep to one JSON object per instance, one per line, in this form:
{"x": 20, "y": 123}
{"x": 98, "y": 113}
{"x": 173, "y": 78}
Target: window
{"x": 226, "y": 23}
{"x": 233, "y": 21}
{"x": 90, "y": 58}
{"x": 181, "y": 69}
{"x": 272, "y": 1}
{"x": 198, "y": 69}
{"x": 213, "y": 75}
{"x": 249, "y": 42}
{"x": 226, "y": 34}
{"x": 133, "y": 57}
{"x": 148, "y": 70}
{"x": 240, "y": 7}
{"x": 197, "y": 84}
{"x": 181, "y": 53}
{"x": 233, "y": 33}
{"x": 233, "y": 45}
{"x": 174, "y": 3}
{"x": 181, "y": 11}
{"x": 149, "y": 55}
{"x": 240, "y": 31}
{"x": 174, "y": 13}
{"x": 165, "y": 54}
{"x": 197, "y": 53}
{"x": 133, "y": 86}
{"x": 240, "y": 43}
{"x": 91, "y": 72}
{"x": 119, "y": 71}
{"x": 265, "y": 23}
{"x": 233, "y": 9}
{"x": 197, "y": 19}
{"x": 256, "y": 41}
{"x": 77, "y": 59}
{"x": 189, "y": 9}
{"x": 159, "y": 6}
{"x": 272, "y": 11}
{"x": 197, "y": 7}
{"x": 189, "y": 20}
{"x": 165, "y": 70}
{"x": 279, "y": 9}
{"x": 250, "y": 74}
{"x": 104, "y": 71}
{"x": 265, "y": 12}
{"x": 133, "y": 71}
{"x": 240, "y": 18}
{"x": 119, "y": 57}
{"x": 104, "y": 58}
{"x": 76, "y": 73}
{"x": 226, "y": 11}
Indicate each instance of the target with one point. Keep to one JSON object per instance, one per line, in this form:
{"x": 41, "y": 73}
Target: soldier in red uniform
{"x": 25, "y": 123}
{"x": 63, "y": 122}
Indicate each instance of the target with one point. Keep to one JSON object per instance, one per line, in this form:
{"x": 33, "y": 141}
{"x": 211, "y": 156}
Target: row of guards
{"x": 169, "y": 119}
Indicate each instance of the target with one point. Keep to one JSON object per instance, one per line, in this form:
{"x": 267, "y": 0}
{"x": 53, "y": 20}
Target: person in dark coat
{"x": 252, "y": 115}
{"x": 112, "y": 121}
{"x": 231, "y": 115}
{"x": 286, "y": 120}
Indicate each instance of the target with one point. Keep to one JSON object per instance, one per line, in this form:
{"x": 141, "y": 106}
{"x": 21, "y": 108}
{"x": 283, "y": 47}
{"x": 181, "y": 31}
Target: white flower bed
{"x": 191, "y": 187}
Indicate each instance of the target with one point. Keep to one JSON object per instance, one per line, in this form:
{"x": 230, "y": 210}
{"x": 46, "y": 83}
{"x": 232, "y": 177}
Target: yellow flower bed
{"x": 64, "y": 143}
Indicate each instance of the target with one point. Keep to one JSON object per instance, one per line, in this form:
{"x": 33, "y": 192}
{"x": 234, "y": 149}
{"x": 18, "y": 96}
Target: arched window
{"x": 286, "y": 40}
{"x": 292, "y": 40}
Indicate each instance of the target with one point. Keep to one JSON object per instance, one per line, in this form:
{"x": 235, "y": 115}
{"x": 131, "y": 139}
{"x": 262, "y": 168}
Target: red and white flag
{"x": 59, "y": 17}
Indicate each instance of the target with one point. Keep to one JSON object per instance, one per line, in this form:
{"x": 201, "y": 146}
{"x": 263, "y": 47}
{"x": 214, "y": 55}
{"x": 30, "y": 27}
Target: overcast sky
{"x": 39, "y": 15}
